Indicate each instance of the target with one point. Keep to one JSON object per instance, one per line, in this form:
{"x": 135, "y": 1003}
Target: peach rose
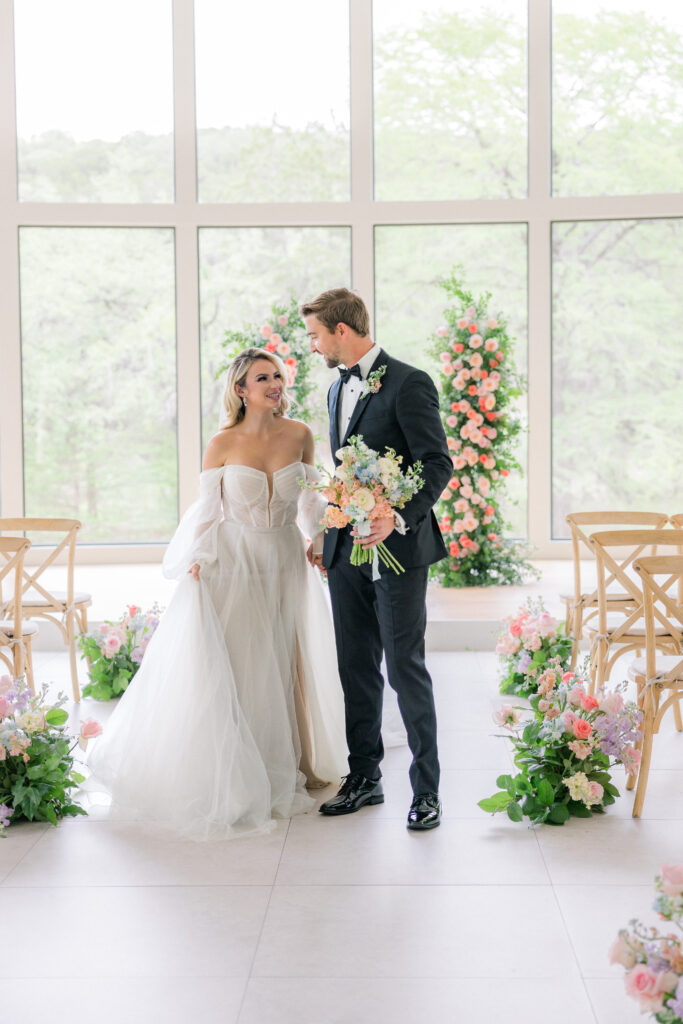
{"x": 283, "y": 348}
{"x": 648, "y": 987}
{"x": 283, "y": 320}
{"x": 491, "y": 323}
{"x": 441, "y": 332}
{"x": 475, "y": 341}
{"x": 490, "y": 344}
{"x": 461, "y": 324}
{"x": 266, "y": 331}
{"x": 621, "y": 953}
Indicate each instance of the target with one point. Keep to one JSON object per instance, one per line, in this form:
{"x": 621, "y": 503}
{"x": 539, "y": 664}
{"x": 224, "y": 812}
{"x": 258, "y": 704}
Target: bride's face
{"x": 263, "y": 386}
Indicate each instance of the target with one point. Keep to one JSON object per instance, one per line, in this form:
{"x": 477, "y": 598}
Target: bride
{"x": 237, "y": 706}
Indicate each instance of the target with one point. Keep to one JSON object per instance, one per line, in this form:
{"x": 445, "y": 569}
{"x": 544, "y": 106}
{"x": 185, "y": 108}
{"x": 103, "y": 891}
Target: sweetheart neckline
{"x": 240, "y": 465}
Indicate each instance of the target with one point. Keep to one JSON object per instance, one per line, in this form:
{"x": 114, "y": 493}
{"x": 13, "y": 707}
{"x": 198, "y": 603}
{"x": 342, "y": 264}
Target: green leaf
{"x": 545, "y": 794}
{"x": 539, "y": 657}
{"x": 507, "y": 783}
{"x": 56, "y": 716}
{"x": 559, "y": 813}
{"x": 50, "y": 814}
{"x": 77, "y": 778}
{"x": 578, "y": 809}
{"x": 514, "y": 811}
{"x": 497, "y": 802}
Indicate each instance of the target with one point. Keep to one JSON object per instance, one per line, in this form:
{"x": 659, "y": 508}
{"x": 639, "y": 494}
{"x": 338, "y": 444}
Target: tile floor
{"x": 341, "y": 921}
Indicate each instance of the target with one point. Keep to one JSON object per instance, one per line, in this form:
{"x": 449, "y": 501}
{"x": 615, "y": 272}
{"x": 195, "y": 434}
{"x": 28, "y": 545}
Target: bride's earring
{"x": 244, "y": 401}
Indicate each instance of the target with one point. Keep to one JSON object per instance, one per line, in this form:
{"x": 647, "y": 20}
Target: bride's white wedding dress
{"x": 237, "y": 703}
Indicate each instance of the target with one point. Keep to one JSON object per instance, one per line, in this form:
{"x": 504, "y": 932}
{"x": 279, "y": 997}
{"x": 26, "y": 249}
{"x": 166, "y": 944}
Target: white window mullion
{"x": 539, "y": 281}
{"x": 187, "y": 257}
{"x": 362, "y": 247}
{"x": 11, "y": 432}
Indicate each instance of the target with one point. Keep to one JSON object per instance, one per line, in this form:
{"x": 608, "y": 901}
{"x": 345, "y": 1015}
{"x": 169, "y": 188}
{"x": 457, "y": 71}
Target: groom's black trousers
{"x": 388, "y": 615}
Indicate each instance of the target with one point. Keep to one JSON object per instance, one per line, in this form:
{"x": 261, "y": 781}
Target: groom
{"x": 400, "y": 411}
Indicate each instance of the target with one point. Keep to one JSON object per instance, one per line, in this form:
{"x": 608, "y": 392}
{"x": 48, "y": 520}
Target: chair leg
{"x": 677, "y": 713}
{"x": 648, "y": 726}
{"x": 28, "y": 669}
{"x": 576, "y": 631}
{"x": 71, "y": 642}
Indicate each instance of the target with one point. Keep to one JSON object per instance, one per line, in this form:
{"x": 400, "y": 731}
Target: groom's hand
{"x": 316, "y": 560}
{"x": 381, "y": 528}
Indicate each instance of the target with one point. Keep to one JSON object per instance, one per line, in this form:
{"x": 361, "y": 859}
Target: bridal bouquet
{"x": 654, "y": 962}
{"x": 115, "y": 649}
{"x": 364, "y": 487}
{"x": 564, "y": 751}
{"x": 527, "y": 644}
{"x": 36, "y": 756}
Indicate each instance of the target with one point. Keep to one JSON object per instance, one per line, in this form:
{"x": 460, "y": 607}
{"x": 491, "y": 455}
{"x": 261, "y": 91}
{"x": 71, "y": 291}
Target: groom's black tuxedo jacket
{"x": 404, "y": 415}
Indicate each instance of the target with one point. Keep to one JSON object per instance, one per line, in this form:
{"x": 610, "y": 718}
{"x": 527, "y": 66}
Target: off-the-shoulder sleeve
{"x": 195, "y": 540}
{"x": 312, "y": 506}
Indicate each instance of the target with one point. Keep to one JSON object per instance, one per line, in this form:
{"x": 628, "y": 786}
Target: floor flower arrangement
{"x": 530, "y": 640}
{"x": 564, "y": 747}
{"x": 478, "y": 386}
{"x": 36, "y": 756}
{"x": 115, "y": 649}
{"x": 653, "y": 961}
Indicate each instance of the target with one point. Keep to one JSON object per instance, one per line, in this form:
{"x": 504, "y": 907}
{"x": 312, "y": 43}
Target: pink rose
{"x": 490, "y": 344}
{"x": 621, "y": 953}
{"x": 475, "y": 341}
{"x": 575, "y": 695}
{"x": 89, "y": 730}
{"x": 580, "y": 748}
{"x": 569, "y": 718}
{"x": 612, "y": 704}
{"x": 672, "y": 879}
{"x": 111, "y": 646}
{"x": 266, "y": 331}
{"x": 589, "y": 703}
{"x": 491, "y": 323}
{"x": 582, "y": 729}
{"x": 648, "y": 988}
{"x": 462, "y": 323}
{"x": 5, "y": 707}
{"x": 445, "y": 357}
{"x": 283, "y": 348}
{"x": 133, "y": 610}
{"x": 283, "y": 320}
{"x": 448, "y": 370}
{"x": 547, "y": 625}
{"x": 5, "y": 684}
{"x": 451, "y": 421}
{"x": 441, "y": 332}
{"x": 506, "y": 715}
{"x": 596, "y": 792}
{"x": 276, "y": 339}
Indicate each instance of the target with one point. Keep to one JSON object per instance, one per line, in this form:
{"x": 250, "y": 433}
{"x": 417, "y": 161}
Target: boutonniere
{"x": 373, "y": 382}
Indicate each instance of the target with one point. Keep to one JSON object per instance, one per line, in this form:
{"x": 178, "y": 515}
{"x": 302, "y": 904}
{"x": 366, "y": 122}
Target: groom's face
{"x": 326, "y": 343}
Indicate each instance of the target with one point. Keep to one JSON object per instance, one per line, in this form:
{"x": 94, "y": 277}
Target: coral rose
{"x": 582, "y": 729}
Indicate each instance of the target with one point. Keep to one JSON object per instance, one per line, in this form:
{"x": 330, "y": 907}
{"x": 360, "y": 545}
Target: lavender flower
{"x": 5, "y": 814}
{"x": 676, "y": 1004}
{"x": 524, "y": 661}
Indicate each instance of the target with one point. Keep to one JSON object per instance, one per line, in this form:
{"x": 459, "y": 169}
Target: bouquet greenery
{"x": 564, "y": 751}
{"x": 530, "y": 641}
{"x": 115, "y": 649}
{"x": 36, "y": 756}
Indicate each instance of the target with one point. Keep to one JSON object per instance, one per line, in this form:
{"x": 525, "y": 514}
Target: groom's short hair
{"x": 339, "y": 306}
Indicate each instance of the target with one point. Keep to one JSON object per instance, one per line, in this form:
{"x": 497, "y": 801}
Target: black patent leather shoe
{"x": 424, "y": 813}
{"x": 356, "y": 791}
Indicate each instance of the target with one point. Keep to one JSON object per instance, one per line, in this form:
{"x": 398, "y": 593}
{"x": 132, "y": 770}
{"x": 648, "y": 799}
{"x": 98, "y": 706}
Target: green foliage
{"x": 111, "y": 670}
{"x": 284, "y": 324}
{"x": 481, "y": 428}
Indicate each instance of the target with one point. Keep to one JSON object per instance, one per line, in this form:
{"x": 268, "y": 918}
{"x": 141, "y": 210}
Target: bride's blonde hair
{"x": 233, "y": 410}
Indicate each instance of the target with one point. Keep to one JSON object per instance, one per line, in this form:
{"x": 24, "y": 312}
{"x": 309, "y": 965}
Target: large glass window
{"x": 450, "y": 99}
{"x": 272, "y": 101}
{"x": 409, "y": 303}
{"x": 617, "y": 378}
{"x": 99, "y": 380}
{"x": 94, "y": 84}
{"x": 243, "y": 271}
{"x": 617, "y": 97}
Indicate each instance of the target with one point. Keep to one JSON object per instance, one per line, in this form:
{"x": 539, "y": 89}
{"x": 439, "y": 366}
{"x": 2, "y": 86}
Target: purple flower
{"x": 5, "y": 814}
{"x": 676, "y": 1004}
{"x": 136, "y": 655}
{"x": 524, "y": 661}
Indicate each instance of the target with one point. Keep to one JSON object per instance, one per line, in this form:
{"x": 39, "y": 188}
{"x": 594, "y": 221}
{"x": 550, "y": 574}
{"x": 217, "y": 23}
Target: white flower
{"x": 364, "y": 499}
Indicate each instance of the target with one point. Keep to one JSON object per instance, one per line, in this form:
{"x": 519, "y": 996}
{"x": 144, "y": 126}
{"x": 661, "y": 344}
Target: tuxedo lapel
{"x": 335, "y": 391}
{"x": 364, "y": 401}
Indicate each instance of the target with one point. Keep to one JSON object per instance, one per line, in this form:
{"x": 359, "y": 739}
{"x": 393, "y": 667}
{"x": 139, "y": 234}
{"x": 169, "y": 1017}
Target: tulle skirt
{"x": 237, "y": 706}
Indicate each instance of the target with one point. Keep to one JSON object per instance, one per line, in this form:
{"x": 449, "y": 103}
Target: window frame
{"x": 362, "y": 214}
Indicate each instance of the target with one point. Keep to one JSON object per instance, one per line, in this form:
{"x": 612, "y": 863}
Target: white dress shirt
{"x": 350, "y": 391}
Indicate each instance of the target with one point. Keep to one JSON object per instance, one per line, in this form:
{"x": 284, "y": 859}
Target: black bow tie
{"x": 353, "y": 372}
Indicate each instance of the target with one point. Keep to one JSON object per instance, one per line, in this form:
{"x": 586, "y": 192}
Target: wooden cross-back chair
{"x": 582, "y": 606}
{"x": 67, "y": 608}
{"x": 613, "y": 635}
{"x": 15, "y": 632}
{"x": 658, "y": 676}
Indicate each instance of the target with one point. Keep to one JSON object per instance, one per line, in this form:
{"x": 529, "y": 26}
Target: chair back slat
{"x": 617, "y": 551}
{"x": 658, "y": 592}
{"x": 31, "y": 576}
{"x": 580, "y": 524}
{"x": 13, "y": 551}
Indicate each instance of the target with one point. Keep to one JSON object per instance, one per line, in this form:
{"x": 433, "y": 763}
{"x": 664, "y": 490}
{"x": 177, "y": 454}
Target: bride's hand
{"x": 194, "y": 571}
